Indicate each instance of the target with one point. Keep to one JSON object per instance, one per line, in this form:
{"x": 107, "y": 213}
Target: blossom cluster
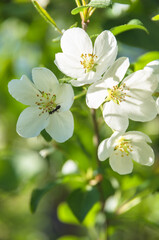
{"x": 120, "y": 96}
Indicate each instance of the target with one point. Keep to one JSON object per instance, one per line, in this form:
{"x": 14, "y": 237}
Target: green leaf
{"x": 82, "y": 200}
{"x": 38, "y": 194}
{"x": 133, "y": 24}
{"x": 145, "y": 59}
{"x": 46, "y": 136}
{"x": 122, "y": 1}
{"x": 74, "y": 25}
{"x": 99, "y": 3}
{"x": 45, "y": 15}
{"x": 155, "y": 18}
{"x": 78, "y": 9}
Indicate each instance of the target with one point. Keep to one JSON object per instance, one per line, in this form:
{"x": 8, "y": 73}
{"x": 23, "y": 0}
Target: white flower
{"x": 49, "y": 105}
{"x": 123, "y": 98}
{"x": 80, "y": 60}
{"x": 154, "y": 66}
{"x": 121, "y": 149}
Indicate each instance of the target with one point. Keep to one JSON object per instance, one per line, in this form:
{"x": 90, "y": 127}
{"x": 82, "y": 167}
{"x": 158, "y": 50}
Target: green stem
{"x": 78, "y": 3}
{"x": 83, "y": 2}
{"x": 91, "y": 11}
{"x": 80, "y": 95}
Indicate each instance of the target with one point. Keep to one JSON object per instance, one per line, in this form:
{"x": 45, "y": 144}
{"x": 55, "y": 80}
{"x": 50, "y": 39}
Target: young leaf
{"x": 81, "y": 201}
{"x": 99, "y": 3}
{"x": 38, "y": 194}
{"x": 45, "y": 15}
{"x": 78, "y": 9}
{"x": 133, "y": 24}
{"x": 145, "y": 59}
{"x": 155, "y": 18}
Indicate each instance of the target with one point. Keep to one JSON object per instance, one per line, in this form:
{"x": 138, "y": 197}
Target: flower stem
{"x": 80, "y": 95}
{"x": 78, "y": 3}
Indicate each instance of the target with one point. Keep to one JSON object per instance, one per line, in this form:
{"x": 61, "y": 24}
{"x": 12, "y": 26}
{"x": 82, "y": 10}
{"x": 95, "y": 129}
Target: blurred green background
{"x": 132, "y": 205}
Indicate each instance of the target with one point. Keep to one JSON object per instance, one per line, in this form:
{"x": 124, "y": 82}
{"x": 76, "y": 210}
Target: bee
{"x": 55, "y": 109}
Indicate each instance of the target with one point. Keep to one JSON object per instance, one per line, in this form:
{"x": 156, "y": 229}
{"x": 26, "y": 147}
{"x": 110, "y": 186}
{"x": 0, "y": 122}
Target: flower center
{"x": 117, "y": 94}
{"x": 88, "y": 62}
{"x": 123, "y": 145}
{"x": 46, "y": 103}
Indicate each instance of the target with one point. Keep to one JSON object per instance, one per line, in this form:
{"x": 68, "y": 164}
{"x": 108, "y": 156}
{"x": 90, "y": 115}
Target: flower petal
{"x": 143, "y": 112}
{"x": 118, "y": 70}
{"x": 105, "y": 149}
{"x": 120, "y": 162}
{"x": 136, "y": 136}
{"x": 105, "y": 48}
{"x": 60, "y": 126}
{"x": 153, "y": 66}
{"x": 75, "y": 41}
{"x": 141, "y": 83}
{"x": 30, "y": 123}
{"x": 23, "y": 90}
{"x": 65, "y": 97}
{"x": 87, "y": 78}
{"x": 142, "y": 153}
{"x": 114, "y": 116}
{"x": 45, "y": 80}
{"x": 69, "y": 65}
{"x": 96, "y": 94}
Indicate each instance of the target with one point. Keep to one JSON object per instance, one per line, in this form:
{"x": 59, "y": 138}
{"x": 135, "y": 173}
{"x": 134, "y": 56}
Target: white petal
{"x": 136, "y": 136}
{"x": 45, "y": 80}
{"x": 142, "y": 153}
{"x": 105, "y": 48}
{"x": 96, "y": 94}
{"x": 157, "y": 104}
{"x": 145, "y": 111}
{"x": 23, "y": 90}
{"x": 141, "y": 83}
{"x": 30, "y": 123}
{"x": 87, "y": 78}
{"x": 69, "y": 65}
{"x": 77, "y": 83}
{"x": 105, "y": 149}
{"x": 65, "y": 97}
{"x": 60, "y": 126}
{"x": 76, "y": 41}
{"x": 120, "y": 162}
{"x": 153, "y": 66}
{"x": 114, "y": 116}
{"x": 118, "y": 70}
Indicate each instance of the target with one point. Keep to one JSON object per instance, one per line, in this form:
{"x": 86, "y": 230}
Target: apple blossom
{"x": 122, "y": 148}
{"x": 80, "y": 60}
{"x": 123, "y": 99}
{"x": 154, "y": 66}
{"x": 49, "y": 105}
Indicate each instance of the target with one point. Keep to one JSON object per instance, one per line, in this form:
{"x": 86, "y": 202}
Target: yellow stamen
{"x": 88, "y": 62}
